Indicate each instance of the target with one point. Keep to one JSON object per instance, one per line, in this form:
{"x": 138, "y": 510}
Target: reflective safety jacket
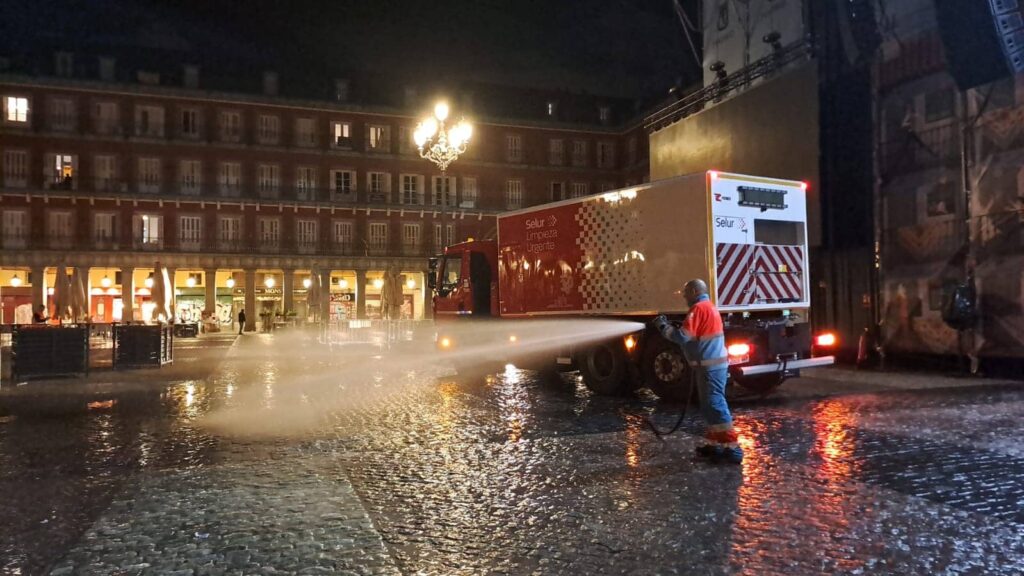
{"x": 702, "y": 336}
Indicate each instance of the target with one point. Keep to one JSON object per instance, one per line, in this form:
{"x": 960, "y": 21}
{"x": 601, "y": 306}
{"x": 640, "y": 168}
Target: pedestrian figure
{"x": 39, "y": 316}
{"x": 702, "y": 338}
{"x": 241, "y": 321}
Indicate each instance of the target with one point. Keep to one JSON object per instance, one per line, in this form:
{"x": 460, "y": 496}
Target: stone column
{"x": 250, "y": 300}
{"x": 127, "y": 294}
{"x": 325, "y": 296}
{"x": 360, "y": 294}
{"x": 428, "y": 300}
{"x": 288, "y": 290}
{"x": 210, "y": 278}
{"x": 87, "y": 313}
{"x": 38, "y": 287}
{"x": 174, "y": 298}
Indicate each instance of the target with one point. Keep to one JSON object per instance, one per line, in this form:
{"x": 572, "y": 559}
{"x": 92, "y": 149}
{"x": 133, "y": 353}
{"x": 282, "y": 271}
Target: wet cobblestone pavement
{"x": 264, "y": 456}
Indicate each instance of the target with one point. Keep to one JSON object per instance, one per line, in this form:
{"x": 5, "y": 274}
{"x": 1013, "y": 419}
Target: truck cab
{"x": 465, "y": 280}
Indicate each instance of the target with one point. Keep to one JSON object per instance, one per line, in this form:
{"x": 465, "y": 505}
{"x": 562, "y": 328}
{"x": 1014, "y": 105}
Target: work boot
{"x": 709, "y": 451}
{"x": 732, "y": 455}
{"x": 721, "y": 454}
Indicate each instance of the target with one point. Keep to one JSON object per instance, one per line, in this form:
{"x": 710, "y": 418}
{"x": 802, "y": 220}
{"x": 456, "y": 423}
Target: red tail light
{"x": 739, "y": 349}
{"x": 825, "y": 340}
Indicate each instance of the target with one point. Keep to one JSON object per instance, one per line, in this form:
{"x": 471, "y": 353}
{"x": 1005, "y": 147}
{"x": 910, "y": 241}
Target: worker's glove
{"x": 660, "y": 322}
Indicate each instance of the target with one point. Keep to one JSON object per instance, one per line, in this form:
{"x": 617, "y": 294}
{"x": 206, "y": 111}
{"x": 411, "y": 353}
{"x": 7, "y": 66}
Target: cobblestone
{"x": 345, "y": 464}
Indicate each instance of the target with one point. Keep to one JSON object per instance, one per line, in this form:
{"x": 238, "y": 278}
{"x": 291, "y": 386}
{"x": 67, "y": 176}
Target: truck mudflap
{"x": 785, "y": 366}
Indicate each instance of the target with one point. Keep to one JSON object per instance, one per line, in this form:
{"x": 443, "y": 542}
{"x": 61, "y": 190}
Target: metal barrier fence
{"x": 381, "y": 333}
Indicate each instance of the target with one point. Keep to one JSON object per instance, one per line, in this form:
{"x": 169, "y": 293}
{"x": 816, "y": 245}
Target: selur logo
{"x": 533, "y": 223}
{"x": 730, "y": 222}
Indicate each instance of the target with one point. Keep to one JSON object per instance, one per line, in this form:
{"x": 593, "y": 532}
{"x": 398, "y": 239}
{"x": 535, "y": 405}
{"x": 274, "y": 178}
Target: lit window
{"x": 17, "y": 109}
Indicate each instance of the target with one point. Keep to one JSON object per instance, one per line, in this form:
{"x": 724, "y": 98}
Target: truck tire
{"x": 603, "y": 368}
{"x": 665, "y": 371}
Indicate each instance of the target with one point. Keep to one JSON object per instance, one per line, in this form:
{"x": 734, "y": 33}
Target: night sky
{"x": 632, "y": 48}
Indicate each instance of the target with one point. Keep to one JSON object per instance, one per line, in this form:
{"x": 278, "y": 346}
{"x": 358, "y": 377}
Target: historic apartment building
{"x": 244, "y": 195}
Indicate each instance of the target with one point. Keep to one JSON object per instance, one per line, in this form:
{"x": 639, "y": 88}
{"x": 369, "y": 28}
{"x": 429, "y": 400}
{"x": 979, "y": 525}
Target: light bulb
{"x": 411, "y": 284}
{"x": 105, "y": 281}
{"x": 307, "y": 283}
{"x": 149, "y": 281}
{"x": 455, "y": 137}
{"x": 441, "y": 111}
{"x": 467, "y": 130}
{"x": 16, "y": 281}
{"x": 378, "y": 283}
{"x": 190, "y": 282}
{"x": 428, "y": 128}
{"x": 419, "y": 138}
{"x": 230, "y": 283}
{"x": 269, "y": 282}
{"x": 342, "y": 283}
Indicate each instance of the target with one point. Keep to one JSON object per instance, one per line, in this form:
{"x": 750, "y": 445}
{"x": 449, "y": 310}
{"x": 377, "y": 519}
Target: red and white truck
{"x": 625, "y": 254}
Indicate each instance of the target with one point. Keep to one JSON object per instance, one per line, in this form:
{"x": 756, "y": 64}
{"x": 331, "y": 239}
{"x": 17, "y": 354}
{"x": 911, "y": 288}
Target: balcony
{"x": 269, "y": 245}
{"x": 150, "y": 130}
{"x": 107, "y": 127}
{"x": 413, "y": 249}
{"x": 377, "y": 249}
{"x": 379, "y": 145}
{"x": 231, "y": 245}
{"x": 230, "y": 191}
{"x": 190, "y": 244}
{"x": 148, "y": 244}
{"x": 342, "y": 143}
{"x": 60, "y": 241}
{"x": 306, "y": 246}
{"x": 105, "y": 242}
{"x": 14, "y": 241}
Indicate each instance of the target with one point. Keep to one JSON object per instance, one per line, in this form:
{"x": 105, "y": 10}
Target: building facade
{"x": 245, "y": 196}
{"x": 934, "y": 230}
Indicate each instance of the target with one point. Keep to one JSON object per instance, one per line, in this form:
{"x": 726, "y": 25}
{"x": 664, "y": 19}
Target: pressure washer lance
{"x": 682, "y": 416}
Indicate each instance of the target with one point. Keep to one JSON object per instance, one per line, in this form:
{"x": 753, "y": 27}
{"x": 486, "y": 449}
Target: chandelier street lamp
{"x": 442, "y": 145}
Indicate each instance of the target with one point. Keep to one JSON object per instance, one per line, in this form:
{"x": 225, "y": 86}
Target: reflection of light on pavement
{"x": 754, "y": 493}
{"x": 513, "y": 401}
{"x": 101, "y": 404}
{"x": 190, "y": 395}
{"x": 632, "y": 446}
{"x": 834, "y": 422}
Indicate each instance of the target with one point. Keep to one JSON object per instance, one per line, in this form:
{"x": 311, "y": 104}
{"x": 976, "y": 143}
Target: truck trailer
{"x": 625, "y": 255}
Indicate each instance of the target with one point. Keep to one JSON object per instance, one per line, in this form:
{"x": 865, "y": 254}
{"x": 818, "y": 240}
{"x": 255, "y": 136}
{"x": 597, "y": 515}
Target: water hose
{"x": 682, "y": 415}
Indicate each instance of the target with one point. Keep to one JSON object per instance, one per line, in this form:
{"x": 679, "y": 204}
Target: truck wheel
{"x": 665, "y": 371}
{"x": 603, "y": 368}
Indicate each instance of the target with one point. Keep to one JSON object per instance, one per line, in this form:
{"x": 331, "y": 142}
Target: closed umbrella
{"x": 161, "y": 294}
{"x": 313, "y": 295}
{"x": 391, "y": 296}
{"x": 79, "y": 296}
{"x": 61, "y": 295}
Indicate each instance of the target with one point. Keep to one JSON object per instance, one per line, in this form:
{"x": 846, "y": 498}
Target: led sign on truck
{"x": 763, "y": 198}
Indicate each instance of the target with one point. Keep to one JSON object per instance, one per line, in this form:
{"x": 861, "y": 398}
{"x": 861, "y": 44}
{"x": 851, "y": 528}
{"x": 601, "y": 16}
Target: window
{"x": 16, "y": 110}
{"x": 380, "y": 186}
{"x": 61, "y": 170}
{"x": 552, "y": 109}
{"x": 439, "y": 241}
{"x": 106, "y": 118}
{"x": 149, "y": 121}
{"x": 103, "y": 228}
{"x": 305, "y": 183}
{"x": 514, "y": 194}
{"x": 59, "y": 229}
{"x": 306, "y": 236}
{"x": 230, "y": 179}
{"x": 15, "y": 228}
{"x": 341, "y": 135}
{"x": 406, "y": 145}
{"x": 939, "y": 105}
{"x": 190, "y": 177}
{"x": 189, "y": 123}
{"x": 305, "y": 132}
{"x": 230, "y": 126}
{"x": 443, "y": 187}
{"x": 452, "y": 272}
{"x": 412, "y": 189}
{"x": 940, "y": 199}
{"x": 378, "y": 238}
{"x": 15, "y": 168}
{"x": 604, "y": 114}
{"x": 269, "y": 232}
{"x": 63, "y": 115}
{"x": 378, "y": 138}
{"x": 147, "y": 231}
{"x": 469, "y": 192}
{"x": 229, "y": 230}
{"x": 556, "y": 152}
{"x": 557, "y": 191}
{"x": 269, "y": 131}
{"x": 64, "y": 64}
{"x": 514, "y": 148}
{"x": 343, "y": 234}
{"x": 631, "y": 150}
{"x": 606, "y": 186}
{"x": 190, "y": 232}
{"x": 343, "y": 184}
{"x": 149, "y": 175}
{"x": 605, "y": 155}
{"x": 579, "y": 153}
{"x": 104, "y": 173}
{"x": 268, "y": 180}
{"x": 579, "y": 189}
{"x": 411, "y": 238}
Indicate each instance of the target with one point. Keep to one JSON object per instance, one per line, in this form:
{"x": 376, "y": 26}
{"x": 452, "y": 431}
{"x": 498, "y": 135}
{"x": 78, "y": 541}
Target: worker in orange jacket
{"x": 702, "y": 338}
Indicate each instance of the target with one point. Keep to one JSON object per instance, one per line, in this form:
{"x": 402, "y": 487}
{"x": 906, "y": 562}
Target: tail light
{"x": 630, "y": 343}
{"x": 738, "y": 350}
{"x": 825, "y": 340}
